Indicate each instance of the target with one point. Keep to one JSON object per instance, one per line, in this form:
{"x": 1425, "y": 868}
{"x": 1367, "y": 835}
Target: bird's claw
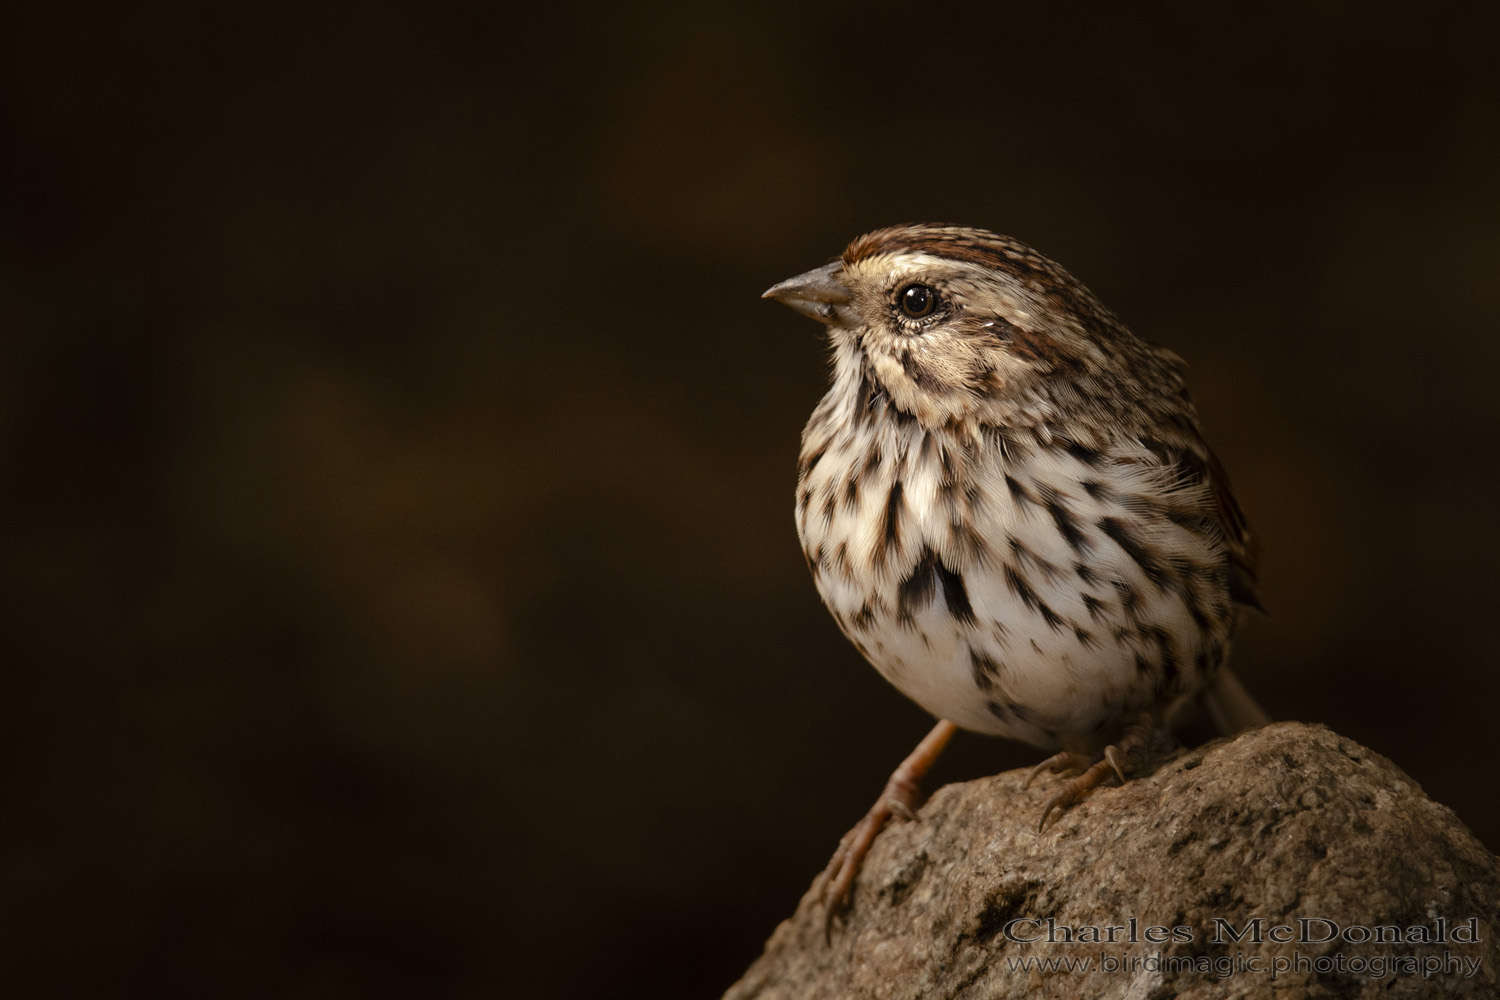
{"x": 1118, "y": 758}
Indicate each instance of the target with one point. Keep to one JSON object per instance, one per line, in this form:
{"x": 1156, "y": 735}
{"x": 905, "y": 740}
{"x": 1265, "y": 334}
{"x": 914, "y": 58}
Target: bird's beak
{"x": 819, "y": 294}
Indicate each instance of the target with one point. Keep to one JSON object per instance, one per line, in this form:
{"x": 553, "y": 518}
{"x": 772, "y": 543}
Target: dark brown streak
{"x": 920, "y": 373}
{"x": 917, "y": 590}
{"x": 1067, "y": 525}
{"x": 970, "y": 541}
{"x": 870, "y": 390}
{"x": 1028, "y": 597}
{"x": 1122, "y": 536}
{"x": 945, "y": 458}
{"x": 1097, "y": 490}
{"x": 1018, "y": 490}
{"x": 841, "y": 560}
{"x": 955, "y": 593}
{"x": 1086, "y": 455}
{"x": 851, "y": 492}
{"x": 1130, "y": 601}
{"x": 876, "y": 404}
{"x": 810, "y": 460}
{"x": 924, "y": 448}
{"x": 986, "y": 671}
{"x": 1024, "y": 555}
{"x": 890, "y": 532}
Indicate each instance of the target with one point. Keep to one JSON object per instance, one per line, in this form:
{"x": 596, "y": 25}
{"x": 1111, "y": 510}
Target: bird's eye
{"x": 917, "y": 300}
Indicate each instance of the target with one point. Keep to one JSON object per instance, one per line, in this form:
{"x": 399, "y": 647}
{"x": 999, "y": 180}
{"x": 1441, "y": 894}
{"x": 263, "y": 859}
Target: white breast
{"x": 989, "y": 582}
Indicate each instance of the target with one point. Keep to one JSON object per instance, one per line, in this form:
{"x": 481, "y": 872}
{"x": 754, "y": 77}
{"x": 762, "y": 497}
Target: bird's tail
{"x": 1230, "y": 705}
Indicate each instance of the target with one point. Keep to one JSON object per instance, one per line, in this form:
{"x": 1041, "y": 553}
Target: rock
{"x": 1288, "y": 861}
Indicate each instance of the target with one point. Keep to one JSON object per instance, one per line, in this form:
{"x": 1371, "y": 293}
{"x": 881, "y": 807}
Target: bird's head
{"x": 953, "y": 322}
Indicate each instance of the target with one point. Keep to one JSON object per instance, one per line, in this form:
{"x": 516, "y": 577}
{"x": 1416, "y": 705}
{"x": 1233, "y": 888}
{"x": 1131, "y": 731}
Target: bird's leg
{"x": 1119, "y": 758}
{"x": 901, "y": 797}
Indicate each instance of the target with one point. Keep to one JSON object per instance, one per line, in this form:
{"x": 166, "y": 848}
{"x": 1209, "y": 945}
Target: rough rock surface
{"x": 1290, "y": 833}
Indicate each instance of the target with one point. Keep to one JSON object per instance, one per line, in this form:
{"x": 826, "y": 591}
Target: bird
{"x": 1007, "y": 503}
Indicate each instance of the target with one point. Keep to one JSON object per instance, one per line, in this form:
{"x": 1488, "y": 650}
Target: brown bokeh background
{"x": 403, "y": 597}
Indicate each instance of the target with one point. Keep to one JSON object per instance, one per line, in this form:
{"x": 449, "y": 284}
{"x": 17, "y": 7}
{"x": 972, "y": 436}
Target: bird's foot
{"x": 901, "y": 798}
{"x": 1119, "y": 758}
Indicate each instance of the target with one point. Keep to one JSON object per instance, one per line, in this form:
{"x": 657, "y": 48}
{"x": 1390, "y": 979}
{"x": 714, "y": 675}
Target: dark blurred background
{"x": 403, "y": 596}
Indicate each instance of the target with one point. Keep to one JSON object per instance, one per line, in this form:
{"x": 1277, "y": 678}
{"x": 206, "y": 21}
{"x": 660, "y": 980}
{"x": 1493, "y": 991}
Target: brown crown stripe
{"x": 973, "y": 246}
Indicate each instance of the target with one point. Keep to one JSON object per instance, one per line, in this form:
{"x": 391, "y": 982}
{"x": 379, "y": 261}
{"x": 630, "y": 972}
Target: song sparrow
{"x": 1008, "y": 506}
